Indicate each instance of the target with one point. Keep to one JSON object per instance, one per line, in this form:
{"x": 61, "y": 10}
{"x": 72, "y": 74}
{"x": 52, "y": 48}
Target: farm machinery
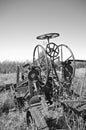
{"x": 47, "y": 88}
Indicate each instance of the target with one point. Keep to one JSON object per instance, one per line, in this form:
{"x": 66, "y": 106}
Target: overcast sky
{"x": 22, "y": 20}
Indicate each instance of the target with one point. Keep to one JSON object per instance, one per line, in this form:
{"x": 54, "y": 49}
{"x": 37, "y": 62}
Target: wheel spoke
{"x": 38, "y": 54}
{"x": 68, "y": 58}
{"x": 61, "y": 54}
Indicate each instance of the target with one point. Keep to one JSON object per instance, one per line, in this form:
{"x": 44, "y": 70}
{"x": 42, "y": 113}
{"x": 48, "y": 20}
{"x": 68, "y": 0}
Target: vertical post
{"x": 48, "y": 40}
{"x": 62, "y": 69}
{"x": 18, "y": 70}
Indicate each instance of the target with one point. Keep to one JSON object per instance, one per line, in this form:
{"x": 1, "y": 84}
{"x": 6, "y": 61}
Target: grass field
{"x": 16, "y": 120}
{"x": 7, "y": 78}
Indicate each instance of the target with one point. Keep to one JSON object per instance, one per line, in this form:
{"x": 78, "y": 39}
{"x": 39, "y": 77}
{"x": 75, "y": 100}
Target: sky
{"x": 21, "y": 21}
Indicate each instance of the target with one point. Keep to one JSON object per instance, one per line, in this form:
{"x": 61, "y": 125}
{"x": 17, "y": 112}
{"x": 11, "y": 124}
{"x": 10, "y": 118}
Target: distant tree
{"x": 9, "y": 67}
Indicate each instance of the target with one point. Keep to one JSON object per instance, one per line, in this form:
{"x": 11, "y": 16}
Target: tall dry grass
{"x": 13, "y": 121}
{"x": 10, "y": 120}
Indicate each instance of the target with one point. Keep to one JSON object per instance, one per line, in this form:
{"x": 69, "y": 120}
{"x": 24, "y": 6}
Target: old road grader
{"x": 49, "y": 99}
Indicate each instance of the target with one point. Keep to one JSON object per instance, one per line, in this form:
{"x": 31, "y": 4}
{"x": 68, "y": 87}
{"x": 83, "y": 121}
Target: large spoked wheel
{"x": 65, "y": 64}
{"x": 47, "y": 36}
{"x": 40, "y": 59}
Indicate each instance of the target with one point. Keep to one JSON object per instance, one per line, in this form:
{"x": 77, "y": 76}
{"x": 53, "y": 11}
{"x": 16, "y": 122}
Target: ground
{"x": 16, "y": 120}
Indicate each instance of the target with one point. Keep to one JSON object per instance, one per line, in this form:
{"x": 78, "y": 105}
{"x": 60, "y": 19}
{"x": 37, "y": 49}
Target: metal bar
{"x": 61, "y": 54}
{"x": 20, "y": 84}
{"x": 76, "y": 60}
{"x": 73, "y": 101}
{"x": 18, "y": 71}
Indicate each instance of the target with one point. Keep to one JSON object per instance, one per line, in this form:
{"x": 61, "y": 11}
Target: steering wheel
{"x": 47, "y": 36}
{"x": 52, "y": 50}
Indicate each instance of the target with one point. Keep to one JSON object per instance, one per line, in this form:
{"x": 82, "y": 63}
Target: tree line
{"x": 11, "y": 67}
